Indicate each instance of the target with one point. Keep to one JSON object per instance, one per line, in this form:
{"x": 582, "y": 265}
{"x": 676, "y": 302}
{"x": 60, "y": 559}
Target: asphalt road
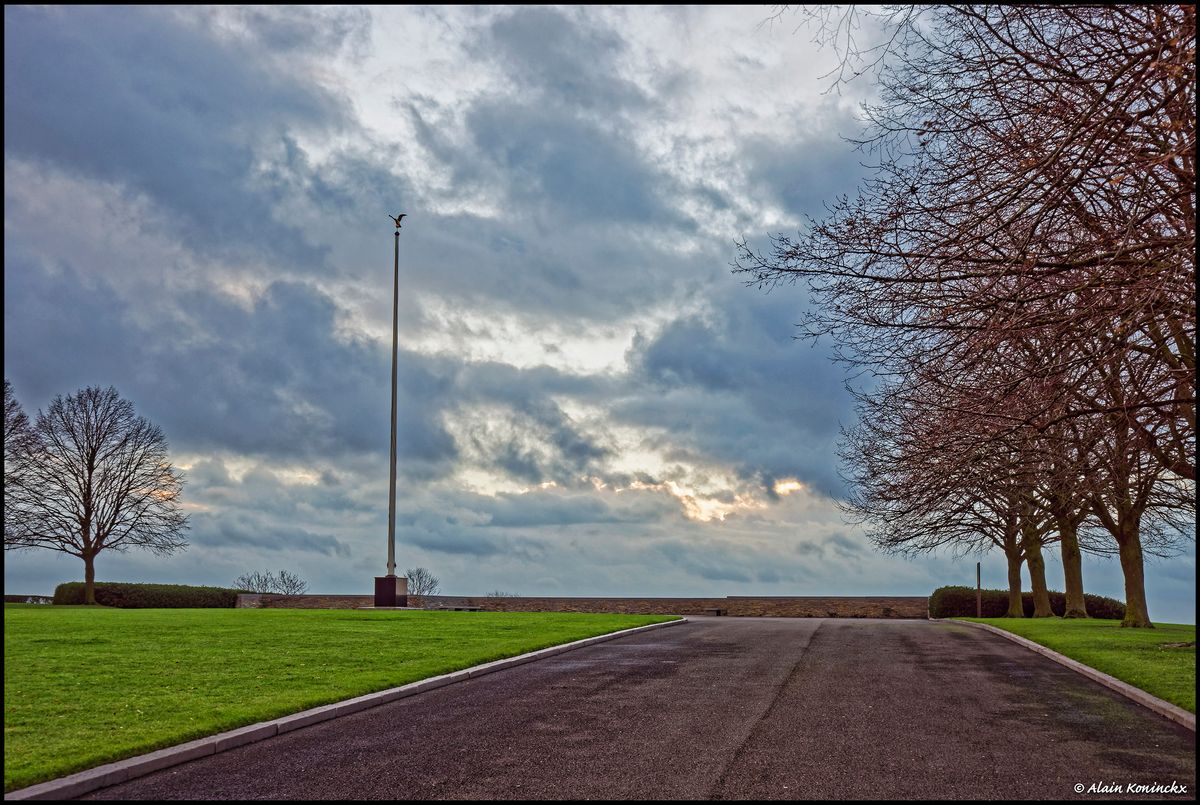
{"x": 726, "y": 708}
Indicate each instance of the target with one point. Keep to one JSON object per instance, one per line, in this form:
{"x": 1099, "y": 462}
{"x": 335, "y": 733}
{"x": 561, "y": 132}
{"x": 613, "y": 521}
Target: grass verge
{"x": 1141, "y": 657}
{"x": 85, "y": 686}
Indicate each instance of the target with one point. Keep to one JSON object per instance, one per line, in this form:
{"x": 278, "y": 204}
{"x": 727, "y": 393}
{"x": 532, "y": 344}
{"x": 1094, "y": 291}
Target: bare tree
{"x": 422, "y": 582}
{"x": 256, "y": 582}
{"x": 1025, "y": 154}
{"x": 291, "y": 584}
{"x": 1134, "y": 496}
{"x": 18, "y": 439}
{"x": 1023, "y": 258}
{"x": 96, "y": 477}
{"x": 923, "y": 477}
{"x": 267, "y": 582}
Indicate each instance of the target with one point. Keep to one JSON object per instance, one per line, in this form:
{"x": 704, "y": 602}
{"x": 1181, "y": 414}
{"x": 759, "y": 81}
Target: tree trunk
{"x": 1037, "y": 581}
{"x": 89, "y": 579}
{"x": 1015, "y": 608}
{"x": 1136, "y": 613}
{"x": 1072, "y": 560}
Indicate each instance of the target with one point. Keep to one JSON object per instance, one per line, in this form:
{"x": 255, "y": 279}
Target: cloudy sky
{"x": 591, "y": 403}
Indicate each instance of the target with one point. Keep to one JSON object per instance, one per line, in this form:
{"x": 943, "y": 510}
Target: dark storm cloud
{"x": 533, "y": 444}
{"x": 552, "y": 143}
{"x": 532, "y": 509}
{"x": 445, "y": 535}
{"x": 716, "y": 561}
{"x": 806, "y": 174}
{"x": 563, "y": 60}
{"x": 550, "y": 507}
{"x": 737, "y": 387}
{"x": 567, "y": 270}
{"x": 329, "y": 500}
{"x": 573, "y": 183}
{"x": 349, "y": 187}
{"x": 454, "y": 542}
{"x": 529, "y": 437}
{"x": 522, "y": 387}
{"x": 243, "y": 530}
{"x": 770, "y": 576}
{"x": 68, "y": 325}
{"x": 272, "y": 379}
{"x": 848, "y": 546}
{"x": 138, "y": 96}
{"x": 814, "y": 549}
{"x": 557, "y": 162}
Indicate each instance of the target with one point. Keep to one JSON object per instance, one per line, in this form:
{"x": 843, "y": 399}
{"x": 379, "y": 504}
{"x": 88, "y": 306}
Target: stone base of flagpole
{"x": 391, "y": 591}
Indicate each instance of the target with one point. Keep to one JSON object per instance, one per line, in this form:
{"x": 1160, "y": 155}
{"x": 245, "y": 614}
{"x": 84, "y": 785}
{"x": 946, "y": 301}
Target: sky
{"x": 591, "y": 402}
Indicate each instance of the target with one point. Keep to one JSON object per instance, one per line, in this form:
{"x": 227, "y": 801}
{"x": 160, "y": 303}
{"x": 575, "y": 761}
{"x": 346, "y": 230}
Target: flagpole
{"x": 391, "y": 591}
{"x": 391, "y": 562}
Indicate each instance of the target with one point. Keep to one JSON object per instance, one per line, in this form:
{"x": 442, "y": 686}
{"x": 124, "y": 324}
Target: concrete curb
{"x": 84, "y": 782}
{"x": 1160, "y": 706}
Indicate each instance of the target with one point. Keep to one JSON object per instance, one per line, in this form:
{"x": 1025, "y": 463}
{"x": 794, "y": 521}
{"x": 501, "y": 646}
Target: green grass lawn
{"x": 1136, "y": 656}
{"x": 88, "y": 685}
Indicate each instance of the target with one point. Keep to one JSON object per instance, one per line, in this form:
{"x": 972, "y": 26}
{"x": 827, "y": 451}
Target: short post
{"x": 978, "y": 593}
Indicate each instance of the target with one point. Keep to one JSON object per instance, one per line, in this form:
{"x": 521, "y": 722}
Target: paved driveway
{"x": 725, "y": 708}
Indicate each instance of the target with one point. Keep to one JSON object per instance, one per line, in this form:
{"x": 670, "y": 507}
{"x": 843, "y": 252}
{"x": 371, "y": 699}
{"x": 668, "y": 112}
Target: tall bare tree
{"x": 1036, "y": 170}
{"x": 1028, "y": 235}
{"x": 924, "y": 475}
{"x": 18, "y": 437}
{"x": 95, "y": 478}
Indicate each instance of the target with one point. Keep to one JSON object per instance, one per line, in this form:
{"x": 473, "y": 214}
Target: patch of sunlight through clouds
{"x": 519, "y": 341}
{"x": 525, "y": 341}
{"x": 786, "y": 486}
{"x": 236, "y": 468}
{"x": 697, "y": 506}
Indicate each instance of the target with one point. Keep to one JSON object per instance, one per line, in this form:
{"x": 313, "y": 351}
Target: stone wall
{"x": 273, "y": 601}
{"x": 777, "y": 606}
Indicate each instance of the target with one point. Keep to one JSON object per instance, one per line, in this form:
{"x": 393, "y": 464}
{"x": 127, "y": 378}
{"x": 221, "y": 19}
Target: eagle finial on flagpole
{"x": 396, "y": 218}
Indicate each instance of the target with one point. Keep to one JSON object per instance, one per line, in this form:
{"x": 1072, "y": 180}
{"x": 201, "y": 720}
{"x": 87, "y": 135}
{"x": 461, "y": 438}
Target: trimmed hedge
{"x": 959, "y": 602}
{"x": 148, "y": 596}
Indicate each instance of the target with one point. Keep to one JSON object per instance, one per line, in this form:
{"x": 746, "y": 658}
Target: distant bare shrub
{"x": 267, "y": 582}
{"x": 422, "y": 582}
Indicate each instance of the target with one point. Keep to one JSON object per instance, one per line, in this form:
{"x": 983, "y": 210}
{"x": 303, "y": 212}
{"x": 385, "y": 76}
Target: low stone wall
{"x": 770, "y": 606}
{"x": 790, "y": 607}
{"x": 273, "y": 601}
